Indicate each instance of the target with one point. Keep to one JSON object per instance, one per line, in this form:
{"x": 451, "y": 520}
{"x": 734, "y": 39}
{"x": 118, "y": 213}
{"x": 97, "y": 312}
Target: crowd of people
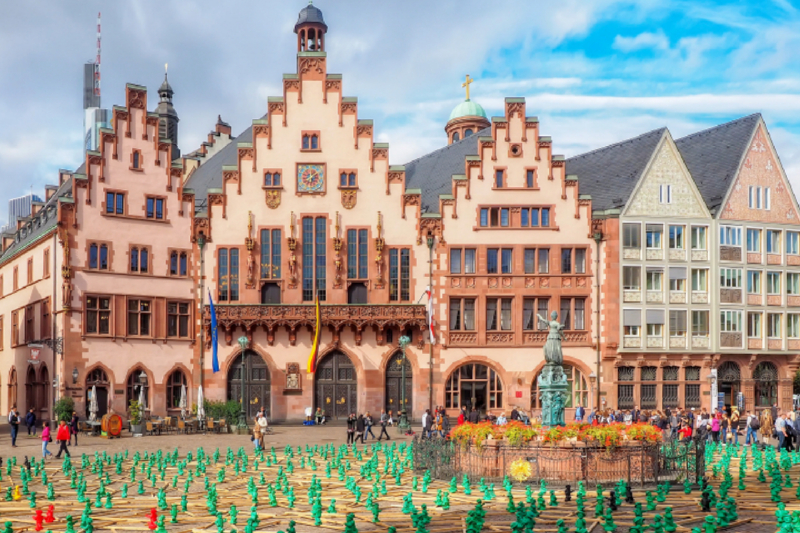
{"x": 65, "y": 432}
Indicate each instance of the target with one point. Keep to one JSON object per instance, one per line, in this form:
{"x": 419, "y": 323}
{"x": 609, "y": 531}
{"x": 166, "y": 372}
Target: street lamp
{"x": 74, "y": 375}
{"x": 592, "y": 379}
{"x": 403, "y": 426}
{"x": 242, "y": 420}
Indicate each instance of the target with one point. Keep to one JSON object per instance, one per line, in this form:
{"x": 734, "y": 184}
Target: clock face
{"x": 310, "y": 178}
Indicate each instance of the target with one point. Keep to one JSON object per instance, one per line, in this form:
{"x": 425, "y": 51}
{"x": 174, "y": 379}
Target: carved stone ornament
{"x": 349, "y": 198}
{"x": 308, "y": 64}
{"x": 293, "y": 378}
{"x": 273, "y": 199}
{"x": 136, "y": 99}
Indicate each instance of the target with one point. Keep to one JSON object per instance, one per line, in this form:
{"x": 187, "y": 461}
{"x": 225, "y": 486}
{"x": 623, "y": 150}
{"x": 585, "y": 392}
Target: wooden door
{"x": 336, "y": 386}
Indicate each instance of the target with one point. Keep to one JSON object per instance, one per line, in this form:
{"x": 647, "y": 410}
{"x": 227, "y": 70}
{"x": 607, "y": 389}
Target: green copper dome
{"x": 467, "y": 108}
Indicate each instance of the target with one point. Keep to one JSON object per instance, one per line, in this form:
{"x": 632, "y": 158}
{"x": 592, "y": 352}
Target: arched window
{"x": 272, "y": 179}
{"x": 143, "y": 261}
{"x": 467, "y": 133}
{"x": 766, "y": 384}
{"x": 175, "y": 381}
{"x": 343, "y": 179}
{"x": 577, "y": 389}
{"x": 184, "y": 261}
{"x": 173, "y": 264}
{"x": 103, "y": 257}
{"x": 305, "y": 142}
{"x": 136, "y": 159}
{"x": 136, "y": 381}
{"x": 303, "y": 40}
{"x": 92, "y": 255}
{"x": 314, "y": 142}
{"x": 96, "y": 376}
{"x": 351, "y": 179}
{"x": 134, "y": 259}
{"x": 456, "y": 137}
{"x": 474, "y": 385}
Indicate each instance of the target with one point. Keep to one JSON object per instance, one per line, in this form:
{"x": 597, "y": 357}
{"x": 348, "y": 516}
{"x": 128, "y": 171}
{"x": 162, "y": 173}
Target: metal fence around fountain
{"x": 566, "y": 463}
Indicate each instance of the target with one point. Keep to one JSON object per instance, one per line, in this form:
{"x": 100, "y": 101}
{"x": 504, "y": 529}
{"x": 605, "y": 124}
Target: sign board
{"x": 35, "y": 353}
{"x": 720, "y": 401}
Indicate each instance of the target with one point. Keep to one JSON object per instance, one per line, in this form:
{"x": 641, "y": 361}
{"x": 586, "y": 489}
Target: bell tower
{"x": 310, "y": 30}
{"x": 167, "y": 116}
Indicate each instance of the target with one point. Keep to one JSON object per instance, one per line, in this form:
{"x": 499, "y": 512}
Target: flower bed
{"x": 517, "y": 434}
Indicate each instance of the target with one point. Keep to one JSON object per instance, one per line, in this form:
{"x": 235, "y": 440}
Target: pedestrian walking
{"x": 753, "y": 425}
{"x": 427, "y": 424}
{"x": 474, "y": 416}
{"x": 30, "y": 421}
{"x": 257, "y": 432}
{"x": 368, "y": 423}
{"x": 73, "y": 428}
{"x": 715, "y": 428}
{"x": 735, "y": 425}
{"x": 580, "y": 412}
{"x": 360, "y": 425}
{"x": 383, "y": 421}
{"x": 62, "y": 436}
{"x": 351, "y": 428}
{"x": 46, "y": 439}
{"x": 13, "y": 421}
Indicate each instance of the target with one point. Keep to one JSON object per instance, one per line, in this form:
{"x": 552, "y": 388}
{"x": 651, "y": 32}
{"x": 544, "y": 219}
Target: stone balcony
{"x": 335, "y": 317}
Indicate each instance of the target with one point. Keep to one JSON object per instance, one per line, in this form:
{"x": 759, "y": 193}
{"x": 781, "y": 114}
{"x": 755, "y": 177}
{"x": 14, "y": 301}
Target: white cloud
{"x": 645, "y": 40}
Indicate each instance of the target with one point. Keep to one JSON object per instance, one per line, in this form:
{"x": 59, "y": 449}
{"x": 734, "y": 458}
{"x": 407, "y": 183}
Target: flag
{"x": 214, "y": 359}
{"x": 429, "y": 294}
{"x": 312, "y": 357}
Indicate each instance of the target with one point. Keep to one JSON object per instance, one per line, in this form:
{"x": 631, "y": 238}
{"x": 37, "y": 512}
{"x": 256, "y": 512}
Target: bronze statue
{"x": 552, "y": 348}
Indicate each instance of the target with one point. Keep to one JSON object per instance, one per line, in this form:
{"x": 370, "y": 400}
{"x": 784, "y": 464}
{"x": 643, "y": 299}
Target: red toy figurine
{"x": 50, "y": 518}
{"x": 153, "y": 517}
{"x": 39, "y": 520}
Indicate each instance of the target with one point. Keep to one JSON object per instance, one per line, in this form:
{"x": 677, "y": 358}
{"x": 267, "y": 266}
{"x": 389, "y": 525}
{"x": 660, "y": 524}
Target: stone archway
{"x": 257, "y": 382}
{"x": 97, "y": 378}
{"x": 336, "y": 386}
{"x": 765, "y": 386}
{"x": 474, "y": 385}
{"x": 729, "y": 382}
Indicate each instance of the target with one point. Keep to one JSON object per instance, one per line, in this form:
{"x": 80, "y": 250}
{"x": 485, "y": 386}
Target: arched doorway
{"x": 577, "y": 389}
{"x": 474, "y": 385}
{"x": 12, "y": 388}
{"x": 97, "y": 378}
{"x": 729, "y": 382}
{"x": 137, "y": 380}
{"x": 31, "y": 389}
{"x": 336, "y": 386}
{"x": 175, "y": 383}
{"x": 394, "y": 384}
{"x": 256, "y": 383}
{"x": 765, "y": 377}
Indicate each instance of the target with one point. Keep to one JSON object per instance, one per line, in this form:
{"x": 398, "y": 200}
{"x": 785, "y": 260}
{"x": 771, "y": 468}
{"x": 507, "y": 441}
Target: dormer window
{"x": 311, "y": 141}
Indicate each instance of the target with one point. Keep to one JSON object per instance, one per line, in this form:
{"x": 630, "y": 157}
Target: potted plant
{"x": 135, "y": 414}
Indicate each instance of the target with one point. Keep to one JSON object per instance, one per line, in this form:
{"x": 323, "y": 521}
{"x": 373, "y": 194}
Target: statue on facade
{"x": 552, "y": 348}
{"x": 552, "y": 381}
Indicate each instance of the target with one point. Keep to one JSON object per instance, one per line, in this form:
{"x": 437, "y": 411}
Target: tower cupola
{"x": 167, "y": 116}
{"x": 310, "y": 30}
{"x": 466, "y": 118}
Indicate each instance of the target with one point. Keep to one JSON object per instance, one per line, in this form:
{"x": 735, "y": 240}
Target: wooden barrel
{"x": 111, "y": 425}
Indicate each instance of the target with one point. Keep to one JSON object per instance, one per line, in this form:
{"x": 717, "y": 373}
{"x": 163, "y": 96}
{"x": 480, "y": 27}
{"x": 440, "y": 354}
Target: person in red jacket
{"x": 62, "y": 437}
{"x": 462, "y": 416}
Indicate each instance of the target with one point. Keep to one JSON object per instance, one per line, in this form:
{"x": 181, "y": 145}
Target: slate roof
{"x": 41, "y": 223}
{"x": 209, "y": 174}
{"x": 433, "y": 173}
{"x": 713, "y": 156}
{"x": 609, "y": 174}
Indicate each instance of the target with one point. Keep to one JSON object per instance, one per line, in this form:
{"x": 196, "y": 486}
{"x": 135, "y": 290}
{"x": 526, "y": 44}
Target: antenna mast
{"x": 97, "y": 63}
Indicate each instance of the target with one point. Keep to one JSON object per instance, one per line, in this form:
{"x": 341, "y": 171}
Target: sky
{"x": 594, "y": 71}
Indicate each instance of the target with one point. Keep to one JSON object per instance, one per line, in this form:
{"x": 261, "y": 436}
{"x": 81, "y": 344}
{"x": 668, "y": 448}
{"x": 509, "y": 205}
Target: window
{"x": 653, "y": 278}
{"x": 467, "y": 132}
{"x": 15, "y": 278}
{"x": 270, "y": 254}
{"x": 456, "y": 137}
{"x": 494, "y": 321}
{"x": 476, "y": 386}
{"x": 178, "y": 319}
{"x": 314, "y": 258}
{"x": 140, "y": 260}
{"x": 504, "y": 217}
{"x": 544, "y": 260}
{"x": 455, "y": 260}
{"x": 699, "y": 324}
{"x": 44, "y": 322}
{"x": 15, "y": 327}
{"x": 773, "y": 241}
{"x": 484, "y": 220}
{"x": 399, "y": 274}
{"x": 655, "y": 330}
{"x": 730, "y": 278}
{"x": 310, "y": 141}
{"x": 357, "y": 246}
{"x": 115, "y": 203}
{"x": 573, "y": 261}
{"x": 30, "y": 270}
{"x": 45, "y": 264}
{"x": 665, "y": 194}
{"x": 676, "y": 237}
{"x": 730, "y": 321}
{"x": 93, "y": 253}
{"x": 530, "y": 182}
{"x": 631, "y": 235}
{"x": 98, "y": 256}
{"x": 529, "y": 260}
{"x": 759, "y": 197}
{"x": 462, "y": 314}
{"x": 655, "y": 322}
{"x": 754, "y": 325}
{"x": 499, "y": 176}
{"x": 774, "y": 326}
{"x": 754, "y": 282}
{"x": 632, "y": 278}
{"x": 530, "y": 308}
{"x": 580, "y": 260}
{"x": 98, "y": 315}
{"x": 792, "y": 242}
{"x": 793, "y": 283}
{"x": 773, "y": 282}
{"x": 228, "y": 274}
{"x": 632, "y": 322}
{"x": 507, "y": 261}
{"x": 699, "y": 240}
{"x": 178, "y": 263}
{"x": 700, "y": 279}
{"x": 155, "y": 208}
{"x": 653, "y": 235}
{"x": 272, "y": 179}
{"x": 677, "y": 279}
{"x": 347, "y": 179}
{"x": 137, "y": 159}
{"x": 569, "y": 319}
{"x": 792, "y": 326}
{"x": 753, "y": 240}
{"x": 491, "y": 260}
{"x": 139, "y": 317}
{"x": 580, "y": 313}
{"x": 566, "y": 260}
{"x": 175, "y": 384}
{"x": 730, "y": 236}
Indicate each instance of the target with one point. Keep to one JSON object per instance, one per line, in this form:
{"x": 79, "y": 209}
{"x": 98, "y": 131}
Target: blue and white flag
{"x": 214, "y": 359}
